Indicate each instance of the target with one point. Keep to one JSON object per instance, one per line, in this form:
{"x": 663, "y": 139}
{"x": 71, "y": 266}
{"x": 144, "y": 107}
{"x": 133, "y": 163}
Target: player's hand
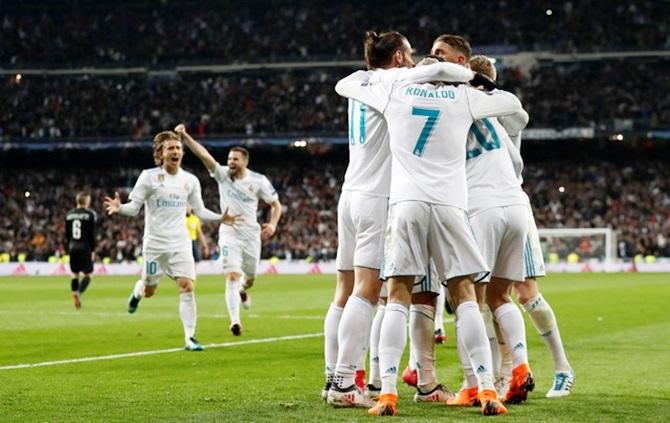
{"x": 112, "y": 205}
{"x": 180, "y": 129}
{"x": 230, "y": 219}
{"x": 483, "y": 82}
{"x": 267, "y": 231}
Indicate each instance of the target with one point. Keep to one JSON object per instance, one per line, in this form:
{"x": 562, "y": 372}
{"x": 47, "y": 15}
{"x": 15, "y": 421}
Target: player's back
{"x": 491, "y": 176}
{"x": 80, "y": 228}
{"x": 369, "y": 168}
{"x": 428, "y": 126}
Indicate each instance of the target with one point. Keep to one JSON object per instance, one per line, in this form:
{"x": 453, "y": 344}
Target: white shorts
{"x": 533, "y": 256}
{"x": 501, "y": 233}
{"x": 175, "y": 265}
{"x": 361, "y": 222}
{"x": 239, "y": 254}
{"x": 430, "y": 283}
{"x": 418, "y": 232}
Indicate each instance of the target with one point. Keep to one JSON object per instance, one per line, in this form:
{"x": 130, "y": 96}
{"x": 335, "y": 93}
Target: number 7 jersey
{"x": 428, "y": 126}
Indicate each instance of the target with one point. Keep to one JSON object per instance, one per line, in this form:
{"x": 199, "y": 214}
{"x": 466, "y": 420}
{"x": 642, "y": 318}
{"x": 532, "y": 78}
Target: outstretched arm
{"x": 446, "y": 72}
{"x": 113, "y": 205}
{"x": 196, "y": 148}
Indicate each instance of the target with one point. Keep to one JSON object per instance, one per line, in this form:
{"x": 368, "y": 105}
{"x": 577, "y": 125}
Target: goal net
{"x": 596, "y": 246}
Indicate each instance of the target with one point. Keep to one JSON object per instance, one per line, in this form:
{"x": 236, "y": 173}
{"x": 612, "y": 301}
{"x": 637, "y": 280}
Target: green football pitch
{"x": 616, "y": 328}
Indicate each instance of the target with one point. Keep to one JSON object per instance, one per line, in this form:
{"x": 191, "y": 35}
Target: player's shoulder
{"x": 69, "y": 212}
{"x": 256, "y": 176}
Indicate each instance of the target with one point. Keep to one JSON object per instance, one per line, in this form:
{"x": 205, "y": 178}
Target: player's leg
{"x": 75, "y": 268}
{"x": 405, "y": 253}
{"x": 87, "y": 269}
{"x": 368, "y": 217}
{"x": 375, "y": 382}
{"x": 440, "y": 334}
{"x": 152, "y": 269}
{"x": 508, "y": 268}
{"x": 181, "y": 266}
{"x": 544, "y": 320}
{"x": 231, "y": 259}
{"x": 251, "y": 255}
{"x": 541, "y": 313}
{"x": 458, "y": 261}
{"x": 344, "y": 286}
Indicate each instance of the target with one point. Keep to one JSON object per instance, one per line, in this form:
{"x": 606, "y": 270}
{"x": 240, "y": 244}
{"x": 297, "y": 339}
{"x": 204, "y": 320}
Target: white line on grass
{"x": 154, "y": 352}
{"x": 159, "y": 315}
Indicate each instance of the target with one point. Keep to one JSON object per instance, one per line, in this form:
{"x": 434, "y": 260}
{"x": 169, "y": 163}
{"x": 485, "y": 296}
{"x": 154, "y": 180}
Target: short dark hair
{"x": 456, "y": 42}
{"x": 243, "y": 151}
{"x": 380, "y": 48}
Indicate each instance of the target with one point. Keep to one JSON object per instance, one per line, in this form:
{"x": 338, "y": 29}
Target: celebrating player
{"x": 428, "y": 125}
{"x": 240, "y": 189}
{"x": 165, "y": 191}
{"x": 80, "y": 237}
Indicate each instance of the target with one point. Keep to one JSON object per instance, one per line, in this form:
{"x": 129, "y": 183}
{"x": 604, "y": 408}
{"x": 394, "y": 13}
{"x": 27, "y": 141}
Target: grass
{"x": 615, "y": 326}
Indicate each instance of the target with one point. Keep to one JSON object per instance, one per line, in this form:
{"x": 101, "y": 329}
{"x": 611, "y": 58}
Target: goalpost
{"x": 581, "y": 244}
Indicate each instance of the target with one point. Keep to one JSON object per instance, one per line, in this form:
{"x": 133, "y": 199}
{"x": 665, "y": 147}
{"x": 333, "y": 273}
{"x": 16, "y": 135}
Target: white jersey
{"x": 428, "y": 126}
{"x": 369, "y": 168}
{"x": 240, "y": 197}
{"x": 165, "y": 198}
{"x": 492, "y": 179}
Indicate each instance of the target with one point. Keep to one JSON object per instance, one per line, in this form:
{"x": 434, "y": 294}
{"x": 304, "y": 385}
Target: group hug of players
{"x": 168, "y": 193}
{"x": 432, "y": 197}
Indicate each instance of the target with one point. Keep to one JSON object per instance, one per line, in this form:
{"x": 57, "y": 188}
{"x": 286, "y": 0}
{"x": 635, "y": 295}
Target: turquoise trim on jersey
{"x": 361, "y": 128}
{"x": 492, "y": 131}
{"x": 352, "y": 106}
{"x": 432, "y": 115}
{"x": 528, "y": 258}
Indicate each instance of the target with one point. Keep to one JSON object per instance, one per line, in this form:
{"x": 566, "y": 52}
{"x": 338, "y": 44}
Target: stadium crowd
{"x": 76, "y": 33}
{"x": 591, "y": 94}
{"x": 633, "y": 198}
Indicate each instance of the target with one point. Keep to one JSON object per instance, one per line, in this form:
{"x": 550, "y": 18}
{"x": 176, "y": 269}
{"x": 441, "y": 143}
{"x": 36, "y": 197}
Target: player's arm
{"x": 199, "y": 209}
{"x": 269, "y": 228}
{"x": 137, "y": 196}
{"x": 495, "y": 103}
{"x": 515, "y": 123}
{"x": 358, "y": 86}
{"x": 196, "y": 148}
{"x": 68, "y": 231}
{"x": 443, "y": 71}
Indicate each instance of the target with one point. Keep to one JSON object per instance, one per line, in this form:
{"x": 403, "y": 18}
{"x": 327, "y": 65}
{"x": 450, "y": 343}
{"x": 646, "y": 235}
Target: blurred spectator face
{"x": 448, "y": 53}
{"x": 236, "y": 163}
{"x": 172, "y": 155}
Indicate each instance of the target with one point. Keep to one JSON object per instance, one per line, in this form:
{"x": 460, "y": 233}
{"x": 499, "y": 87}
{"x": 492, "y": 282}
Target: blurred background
{"x": 84, "y": 86}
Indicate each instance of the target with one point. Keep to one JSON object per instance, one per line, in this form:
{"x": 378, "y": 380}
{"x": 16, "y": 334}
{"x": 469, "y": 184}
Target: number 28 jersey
{"x": 428, "y": 126}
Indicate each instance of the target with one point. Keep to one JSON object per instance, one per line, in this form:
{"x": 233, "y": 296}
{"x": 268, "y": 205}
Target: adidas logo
{"x": 481, "y": 369}
{"x": 392, "y": 370}
{"x": 519, "y": 346}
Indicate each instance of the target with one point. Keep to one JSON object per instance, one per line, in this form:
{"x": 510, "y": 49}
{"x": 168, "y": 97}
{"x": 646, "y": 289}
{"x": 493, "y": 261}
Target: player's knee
{"x": 424, "y": 298}
{"x": 233, "y": 277}
{"x": 185, "y": 285}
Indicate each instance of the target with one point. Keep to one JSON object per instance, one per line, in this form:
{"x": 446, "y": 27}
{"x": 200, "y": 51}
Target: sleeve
{"x": 267, "y": 191}
{"x": 220, "y": 173}
{"x": 513, "y": 124}
{"x": 130, "y": 209}
{"x": 142, "y": 189}
{"x": 195, "y": 200}
{"x": 358, "y": 86}
{"x": 68, "y": 230}
{"x": 93, "y": 223}
{"x": 492, "y": 104}
{"x": 447, "y": 72}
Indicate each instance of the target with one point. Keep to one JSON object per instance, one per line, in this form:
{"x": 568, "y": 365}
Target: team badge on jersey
{"x": 161, "y": 178}
{"x": 251, "y": 188}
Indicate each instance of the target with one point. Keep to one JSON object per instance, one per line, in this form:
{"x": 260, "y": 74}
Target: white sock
{"x": 544, "y": 320}
{"x": 392, "y": 343}
{"x": 375, "y": 376}
{"x": 439, "y": 311}
{"x": 472, "y": 331}
{"x": 505, "y": 355}
{"x": 513, "y": 330}
{"x": 493, "y": 340}
{"x": 470, "y": 378}
{"x": 353, "y": 335}
{"x": 188, "y": 313}
{"x": 138, "y": 291}
{"x": 411, "y": 360}
{"x": 233, "y": 300}
{"x": 330, "y": 326}
{"x": 421, "y": 324}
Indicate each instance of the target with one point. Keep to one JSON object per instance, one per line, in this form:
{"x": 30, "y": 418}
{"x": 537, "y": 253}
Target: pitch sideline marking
{"x": 155, "y": 352}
